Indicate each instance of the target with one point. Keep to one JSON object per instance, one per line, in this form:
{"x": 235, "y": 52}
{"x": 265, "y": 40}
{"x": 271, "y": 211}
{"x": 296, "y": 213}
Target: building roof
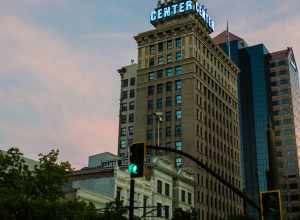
{"x": 280, "y": 54}
{"x": 223, "y": 37}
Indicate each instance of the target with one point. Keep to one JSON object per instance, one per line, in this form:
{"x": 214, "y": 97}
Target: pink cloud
{"x": 73, "y": 96}
{"x": 83, "y": 131}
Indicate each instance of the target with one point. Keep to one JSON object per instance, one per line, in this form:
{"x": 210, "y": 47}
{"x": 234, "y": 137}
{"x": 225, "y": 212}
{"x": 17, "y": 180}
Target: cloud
{"x": 58, "y": 95}
{"x": 58, "y": 79}
{"x": 279, "y": 36}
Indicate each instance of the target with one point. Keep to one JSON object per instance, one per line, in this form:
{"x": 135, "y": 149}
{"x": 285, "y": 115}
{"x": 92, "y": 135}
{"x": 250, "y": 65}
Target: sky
{"x": 59, "y": 85}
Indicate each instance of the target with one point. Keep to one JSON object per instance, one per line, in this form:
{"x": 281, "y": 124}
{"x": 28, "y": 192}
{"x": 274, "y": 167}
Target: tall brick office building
{"x": 184, "y": 76}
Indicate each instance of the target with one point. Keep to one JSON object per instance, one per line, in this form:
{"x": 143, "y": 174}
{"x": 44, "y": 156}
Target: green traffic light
{"x": 132, "y": 168}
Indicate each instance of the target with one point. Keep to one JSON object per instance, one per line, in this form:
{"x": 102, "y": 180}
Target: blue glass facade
{"x": 254, "y": 116}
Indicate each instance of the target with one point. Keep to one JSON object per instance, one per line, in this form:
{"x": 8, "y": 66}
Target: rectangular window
{"x": 160, "y": 60}
{"x": 280, "y": 102}
{"x": 123, "y": 119}
{"x": 150, "y": 104}
{"x": 149, "y": 134}
{"x": 124, "y": 83}
{"x": 159, "y": 103}
{"x": 123, "y": 144}
{"x": 167, "y": 189}
{"x": 160, "y": 74}
{"x": 178, "y": 55}
{"x": 178, "y": 70}
{"x": 169, "y": 72}
{"x": 150, "y": 119}
{"x": 178, "y": 145}
{"x": 178, "y": 100}
{"x": 189, "y": 198}
{"x": 169, "y": 86}
{"x": 167, "y": 212}
{"x": 160, "y": 88}
{"x": 280, "y": 82}
{"x": 159, "y": 186}
{"x": 178, "y": 130}
{"x": 280, "y": 92}
{"x": 282, "y": 122}
{"x": 179, "y": 162}
{"x": 178, "y": 42}
{"x": 178, "y": 114}
{"x": 169, "y": 101}
{"x": 168, "y": 131}
{"x": 151, "y": 61}
{"x": 281, "y": 112}
{"x": 182, "y": 195}
{"x": 285, "y": 142}
{"x": 169, "y": 58}
{"x": 132, "y": 93}
{"x": 131, "y": 117}
{"x": 151, "y": 90}
{"x": 169, "y": 44}
{"x": 151, "y": 76}
{"x": 178, "y": 85}
{"x": 132, "y": 81}
{"x": 168, "y": 116}
{"x": 123, "y": 107}
{"x": 287, "y": 132}
{"x": 131, "y": 105}
{"x": 130, "y": 131}
{"x": 152, "y": 50}
{"x": 124, "y": 95}
{"x": 160, "y": 47}
{"x": 159, "y": 210}
{"x": 123, "y": 132}
{"x": 281, "y": 73}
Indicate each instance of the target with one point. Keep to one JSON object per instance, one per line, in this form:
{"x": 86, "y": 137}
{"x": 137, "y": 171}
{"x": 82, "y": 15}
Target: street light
{"x": 159, "y": 119}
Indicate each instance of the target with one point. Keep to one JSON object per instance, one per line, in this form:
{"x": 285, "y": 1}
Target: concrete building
{"x": 108, "y": 180}
{"x": 127, "y": 108}
{"x": 285, "y": 154}
{"x": 269, "y": 107}
{"x": 184, "y": 76}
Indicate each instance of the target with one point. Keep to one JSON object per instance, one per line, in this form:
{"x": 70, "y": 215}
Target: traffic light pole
{"x": 131, "y": 199}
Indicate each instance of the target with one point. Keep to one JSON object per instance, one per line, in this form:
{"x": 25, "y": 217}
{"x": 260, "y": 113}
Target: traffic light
{"x": 271, "y": 205}
{"x": 137, "y": 157}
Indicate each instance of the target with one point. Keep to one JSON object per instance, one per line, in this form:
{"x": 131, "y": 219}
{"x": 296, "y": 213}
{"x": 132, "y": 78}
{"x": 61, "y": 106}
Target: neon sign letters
{"x": 169, "y": 10}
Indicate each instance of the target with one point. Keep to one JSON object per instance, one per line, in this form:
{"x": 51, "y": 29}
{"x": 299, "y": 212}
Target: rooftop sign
{"x": 169, "y": 10}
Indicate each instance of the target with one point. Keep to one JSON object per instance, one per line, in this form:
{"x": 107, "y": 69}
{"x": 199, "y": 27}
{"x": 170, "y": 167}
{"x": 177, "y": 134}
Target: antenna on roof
{"x": 228, "y": 40}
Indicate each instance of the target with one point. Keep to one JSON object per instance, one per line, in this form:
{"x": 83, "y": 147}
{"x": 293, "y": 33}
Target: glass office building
{"x": 261, "y": 96}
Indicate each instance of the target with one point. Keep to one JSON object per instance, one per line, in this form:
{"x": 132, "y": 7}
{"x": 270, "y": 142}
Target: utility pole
{"x": 131, "y": 199}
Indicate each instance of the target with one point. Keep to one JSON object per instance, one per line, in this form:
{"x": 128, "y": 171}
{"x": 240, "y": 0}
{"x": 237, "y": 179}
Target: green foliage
{"x": 115, "y": 210}
{"x": 179, "y": 214}
{"x": 241, "y": 218}
{"x": 38, "y": 194}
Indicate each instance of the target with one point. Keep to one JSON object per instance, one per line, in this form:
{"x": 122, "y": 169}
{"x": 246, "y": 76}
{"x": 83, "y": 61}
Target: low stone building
{"x": 106, "y": 179}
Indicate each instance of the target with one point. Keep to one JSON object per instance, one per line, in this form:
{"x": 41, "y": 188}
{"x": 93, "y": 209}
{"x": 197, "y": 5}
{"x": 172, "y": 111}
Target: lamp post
{"x": 159, "y": 119}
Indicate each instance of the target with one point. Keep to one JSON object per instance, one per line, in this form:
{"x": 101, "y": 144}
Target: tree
{"x": 241, "y": 218}
{"x": 180, "y": 214}
{"x": 38, "y": 194}
{"x": 115, "y": 211}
